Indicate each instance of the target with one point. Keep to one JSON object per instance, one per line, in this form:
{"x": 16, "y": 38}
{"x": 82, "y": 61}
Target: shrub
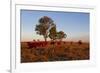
{"x": 80, "y": 42}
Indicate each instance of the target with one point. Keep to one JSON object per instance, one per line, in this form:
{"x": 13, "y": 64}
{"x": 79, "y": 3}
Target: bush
{"x": 79, "y": 42}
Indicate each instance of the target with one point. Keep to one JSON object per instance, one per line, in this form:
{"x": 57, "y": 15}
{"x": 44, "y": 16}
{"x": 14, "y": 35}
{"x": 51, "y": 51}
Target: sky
{"x": 74, "y": 24}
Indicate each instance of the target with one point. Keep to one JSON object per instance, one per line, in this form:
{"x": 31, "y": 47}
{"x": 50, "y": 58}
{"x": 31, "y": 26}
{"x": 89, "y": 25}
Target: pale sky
{"x": 74, "y": 24}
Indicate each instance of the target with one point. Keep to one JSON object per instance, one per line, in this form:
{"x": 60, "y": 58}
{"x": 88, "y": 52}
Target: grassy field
{"x": 41, "y": 51}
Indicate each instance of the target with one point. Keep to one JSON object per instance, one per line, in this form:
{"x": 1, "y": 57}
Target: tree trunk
{"x": 45, "y": 39}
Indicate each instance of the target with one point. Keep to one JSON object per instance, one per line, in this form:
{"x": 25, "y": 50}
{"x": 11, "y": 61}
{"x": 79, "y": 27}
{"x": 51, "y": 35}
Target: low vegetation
{"x": 42, "y": 51}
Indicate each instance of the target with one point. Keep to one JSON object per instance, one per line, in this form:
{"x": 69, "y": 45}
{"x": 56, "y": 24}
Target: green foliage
{"x": 44, "y": 24}
{"x": 61, "y": 35}
{"x": 45, "y": 20}
{"x": 52, "y": 32}
{"x": 47, "y": 28}
{"x": 40, "y": 29}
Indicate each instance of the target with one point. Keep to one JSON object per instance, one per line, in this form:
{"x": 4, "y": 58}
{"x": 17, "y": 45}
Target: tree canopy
{"x": 61, "y": 35}
{"x": 47, "y": 28}
{"x": 52, "y": 33}
{"x": 43, "y": 26}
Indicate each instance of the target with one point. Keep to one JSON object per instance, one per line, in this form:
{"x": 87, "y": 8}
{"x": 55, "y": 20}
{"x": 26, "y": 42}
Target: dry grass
{"x": 63, "y": 51}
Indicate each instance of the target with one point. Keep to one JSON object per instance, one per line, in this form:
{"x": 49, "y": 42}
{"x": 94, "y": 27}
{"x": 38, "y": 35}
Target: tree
{"x": 52, "y": 33}
{"x": 43, "y": 26}
{"x": 61, "y": 35}
{"x": 80, "y": 42}
{"x": 41, "y": 30}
